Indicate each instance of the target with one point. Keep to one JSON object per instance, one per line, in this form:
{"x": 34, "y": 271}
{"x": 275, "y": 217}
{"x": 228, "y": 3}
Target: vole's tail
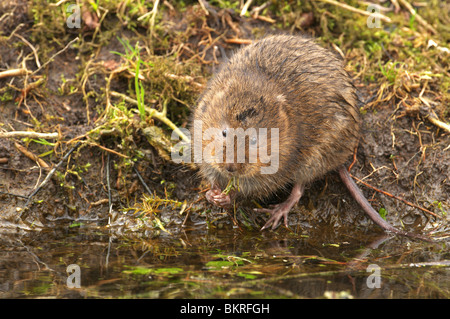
{"x": 368, "y": 209}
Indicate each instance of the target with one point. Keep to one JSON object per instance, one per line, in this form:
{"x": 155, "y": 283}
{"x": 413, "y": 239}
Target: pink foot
{"x": 216, "y": 197}
{"x": 282, "y": 210}
{"x": 277, "y": 211}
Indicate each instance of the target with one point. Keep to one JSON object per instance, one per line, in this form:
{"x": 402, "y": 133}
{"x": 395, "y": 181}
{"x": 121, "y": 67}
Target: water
{"x": 227, "y": 263}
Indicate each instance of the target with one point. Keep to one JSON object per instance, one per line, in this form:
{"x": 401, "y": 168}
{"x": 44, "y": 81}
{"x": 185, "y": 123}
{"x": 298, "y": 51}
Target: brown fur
{"x": 289, "y": 83}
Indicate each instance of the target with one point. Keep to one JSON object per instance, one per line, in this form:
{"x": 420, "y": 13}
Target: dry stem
{"x": 56, "y": 54}
{"x": 396, "y": 197}
{"x": 28, "y": 134}
{"x": 13, "y": 72}
{"x": 421, "y": 20}
{"x": 352, "y": 9}
{"x": 157, "y": 114}
{"x": 31, "y": 155}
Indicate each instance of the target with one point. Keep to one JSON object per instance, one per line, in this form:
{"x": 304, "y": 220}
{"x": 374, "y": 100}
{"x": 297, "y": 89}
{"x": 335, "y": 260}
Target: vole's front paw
{"x": 216, "y": 197}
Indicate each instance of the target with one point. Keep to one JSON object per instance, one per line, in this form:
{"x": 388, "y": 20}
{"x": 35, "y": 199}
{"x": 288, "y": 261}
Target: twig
{"x": 108, "y": 150}
{"x": 99, "y": 202}
{"x": 245, "y": 7}
{"x": 354, "y": 159}
{"x": 440, "y": 263}
{"x": 426, "y": 112}
{"x": 109, "y": 189}
{"x": 396, "y": 197}
{"x": 350, "y": 8}
{"x": 432, "y": 117}
{"x": 11, "y": 194}
{"x": 28, "y": 134}
{"x": 57, "y": 53}
{"x": 208, "y": 10}
{"x": 152, "y": 14}
{"x": 338, "y": 50}
{"x": 155, "y": 113}
{"x": 187, "y": 78}
{"x": 238, "y": 41}
{"x": 142, "y": 180}
{"x": 31, "y": 47}
{"x": 421, "y": 20}
{"x": 13, "y": 72}
{"x": 183, "y": 224}
{"x": 31, "y": 155}
{"x": 32, "y": 86}
{"x": 50, "y": 174}
{"x": 265, "y": 19}
{"x": 58, "y": 3}
{"x": 396, "y": 6}
{"x": 256, "y": 10}
{"x": 153, "y": 18}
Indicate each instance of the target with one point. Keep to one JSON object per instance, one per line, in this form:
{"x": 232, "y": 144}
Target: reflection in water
{"x": 217, "y": 264}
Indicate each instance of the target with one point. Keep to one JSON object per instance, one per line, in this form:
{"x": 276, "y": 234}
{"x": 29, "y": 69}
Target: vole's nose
{"x": 231, "y": 168}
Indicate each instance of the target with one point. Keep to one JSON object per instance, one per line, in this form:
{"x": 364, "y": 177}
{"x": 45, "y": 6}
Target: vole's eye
{"x": 224, "y": 133}
{"x": 253, "y": 140}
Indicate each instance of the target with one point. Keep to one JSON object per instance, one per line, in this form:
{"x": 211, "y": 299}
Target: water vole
{"x": 302, "y": 97}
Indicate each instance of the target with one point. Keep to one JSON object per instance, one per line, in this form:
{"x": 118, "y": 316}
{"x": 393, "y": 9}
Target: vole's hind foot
{"x": 277, "y": 212}
{"x": 282, "y": 210}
